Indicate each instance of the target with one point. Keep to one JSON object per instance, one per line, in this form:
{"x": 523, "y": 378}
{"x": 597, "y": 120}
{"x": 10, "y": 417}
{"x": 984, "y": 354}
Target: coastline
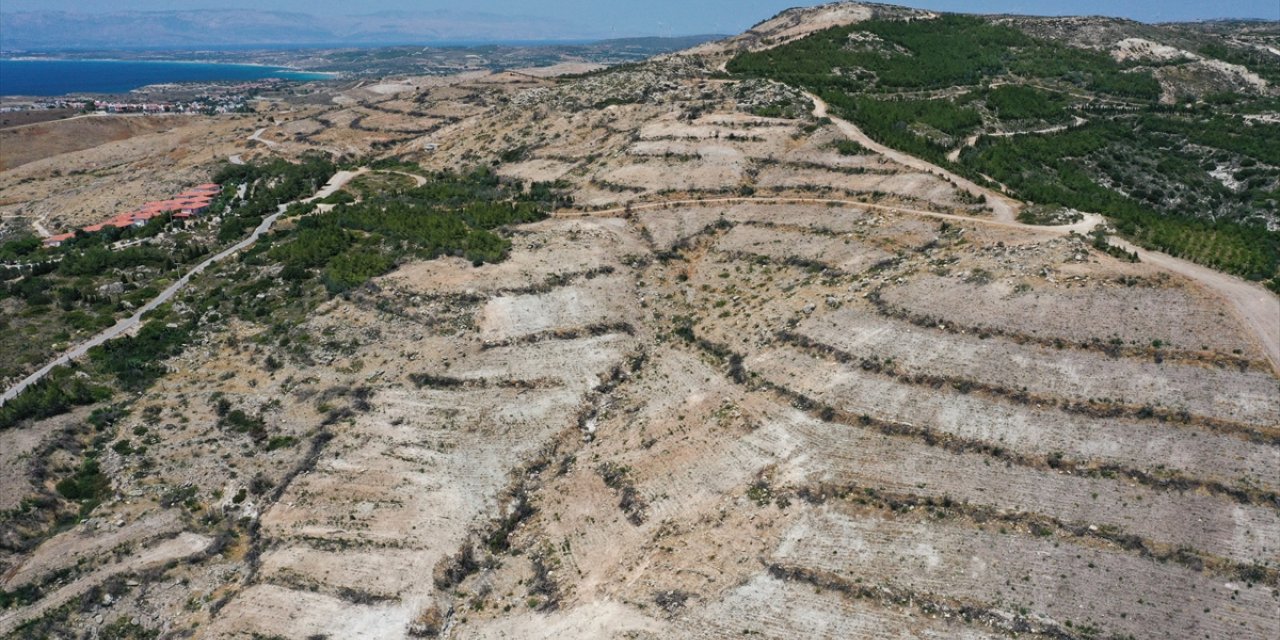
{"x": 52, "y": 77}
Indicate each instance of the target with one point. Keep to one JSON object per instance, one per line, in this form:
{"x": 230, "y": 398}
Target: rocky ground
{"x": 760, "y": 418}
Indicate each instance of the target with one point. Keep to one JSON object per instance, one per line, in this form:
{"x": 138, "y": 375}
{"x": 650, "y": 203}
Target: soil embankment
{"x": 29, "y": 143}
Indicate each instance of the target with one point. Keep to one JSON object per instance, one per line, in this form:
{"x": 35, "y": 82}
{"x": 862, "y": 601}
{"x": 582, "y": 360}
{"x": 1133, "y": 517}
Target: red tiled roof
{"x": 199, "y": 197}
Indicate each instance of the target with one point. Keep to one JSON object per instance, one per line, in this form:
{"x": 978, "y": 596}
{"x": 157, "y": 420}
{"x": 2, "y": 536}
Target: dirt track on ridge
{"x": 1004, "y": 208}
{"x": 1254, "y": 306}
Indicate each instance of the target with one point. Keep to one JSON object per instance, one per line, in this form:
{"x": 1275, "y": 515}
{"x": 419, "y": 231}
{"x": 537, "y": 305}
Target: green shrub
{"x": 57, "y": 393}
{"x": 86, "y": 485}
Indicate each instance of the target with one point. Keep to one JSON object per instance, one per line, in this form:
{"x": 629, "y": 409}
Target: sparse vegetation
{"x": 656, "y": 416}
{"x": 453, "y": 214}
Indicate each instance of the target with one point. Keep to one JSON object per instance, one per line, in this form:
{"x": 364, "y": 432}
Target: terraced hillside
{"x": 656, "y": 353}
{"x": 1162, "y": 129}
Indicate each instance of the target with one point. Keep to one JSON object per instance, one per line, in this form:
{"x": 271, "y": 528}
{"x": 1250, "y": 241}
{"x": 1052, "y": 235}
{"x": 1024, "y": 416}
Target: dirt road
{"x": 954, "y": 154}
{"x": 134, "y": 321}
{"x": 339, "y": 180}
{"x": 1252, "y": 305}
{"x": 1004, "y": 208}
{"x": 257, "y": 137}
{"x": 1087, "y": 224}
{"x": 418, "y": 180}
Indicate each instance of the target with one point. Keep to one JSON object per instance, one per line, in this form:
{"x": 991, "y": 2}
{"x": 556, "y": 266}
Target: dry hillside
{"x": 753, "y": 383}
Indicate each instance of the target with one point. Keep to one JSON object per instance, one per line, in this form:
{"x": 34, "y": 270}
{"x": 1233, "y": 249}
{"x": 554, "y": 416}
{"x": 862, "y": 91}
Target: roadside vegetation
{"x": 283, "y": 275}
{"x": 1153, "y": 195}
{"x": 269, "y": 291}
{"x": 53, "y": 298}
{"x": 1060, "y": 127}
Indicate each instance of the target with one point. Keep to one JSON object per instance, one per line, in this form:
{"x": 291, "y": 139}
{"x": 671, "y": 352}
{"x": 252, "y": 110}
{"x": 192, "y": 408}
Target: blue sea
{"x": 62, "y": 77}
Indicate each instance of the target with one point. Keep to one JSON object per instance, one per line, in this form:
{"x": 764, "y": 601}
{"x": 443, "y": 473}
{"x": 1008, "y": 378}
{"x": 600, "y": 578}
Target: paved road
{"x": 134, "y": 321}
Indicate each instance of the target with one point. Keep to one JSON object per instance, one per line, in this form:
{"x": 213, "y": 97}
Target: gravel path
{"x": 1254, "y": 306}
{"x": 1004, "y": 208}
{"x": 257, "y": 137}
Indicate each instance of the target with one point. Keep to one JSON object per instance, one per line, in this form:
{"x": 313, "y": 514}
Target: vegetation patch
{"x": 452, "y": 215}
{"x": 1191, "y": 181}
{"x": 57, "y": 393}
{"x": 1017, "y": 102}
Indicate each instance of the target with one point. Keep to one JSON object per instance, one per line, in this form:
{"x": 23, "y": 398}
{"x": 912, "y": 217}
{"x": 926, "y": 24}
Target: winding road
{"x": 954, "y": 154}
{"x": 257, "y": 137}
{"x": 1004, "y": 207}
{"x": 132, "y": 322}
{"x": 1252, "y": 305}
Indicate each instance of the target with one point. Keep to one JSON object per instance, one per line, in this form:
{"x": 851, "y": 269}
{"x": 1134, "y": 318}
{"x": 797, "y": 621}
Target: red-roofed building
{"x": 195, "y": 207}
{"x": 55, "y": 241}
{"x": 187, "y": 204}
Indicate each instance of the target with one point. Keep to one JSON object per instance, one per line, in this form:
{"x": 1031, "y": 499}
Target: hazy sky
{"x": 675, "y": 17}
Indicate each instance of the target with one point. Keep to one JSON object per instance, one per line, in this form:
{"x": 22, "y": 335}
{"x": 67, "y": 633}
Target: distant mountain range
{"x": 134, "y": 29}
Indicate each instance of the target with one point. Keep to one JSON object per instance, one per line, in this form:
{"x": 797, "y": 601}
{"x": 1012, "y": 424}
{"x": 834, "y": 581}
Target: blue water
{"x": 62, "y": 77}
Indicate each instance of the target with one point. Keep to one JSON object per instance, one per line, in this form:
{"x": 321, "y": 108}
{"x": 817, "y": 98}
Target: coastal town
{"x": 161, "y": 99}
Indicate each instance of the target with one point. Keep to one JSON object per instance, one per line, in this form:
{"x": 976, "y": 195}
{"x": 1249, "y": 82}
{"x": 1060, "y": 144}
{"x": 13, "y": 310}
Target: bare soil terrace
{"x": 762, "y": 418}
